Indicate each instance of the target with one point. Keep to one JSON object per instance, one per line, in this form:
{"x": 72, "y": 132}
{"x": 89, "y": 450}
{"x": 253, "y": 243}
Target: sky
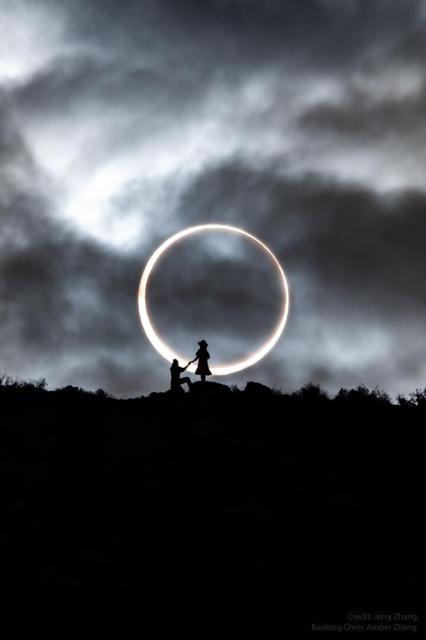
{"x": 123, "y": 122}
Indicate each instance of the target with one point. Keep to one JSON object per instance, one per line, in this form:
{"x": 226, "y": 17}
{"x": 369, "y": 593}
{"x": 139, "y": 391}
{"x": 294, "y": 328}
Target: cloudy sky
{"x": 122, "y": 122}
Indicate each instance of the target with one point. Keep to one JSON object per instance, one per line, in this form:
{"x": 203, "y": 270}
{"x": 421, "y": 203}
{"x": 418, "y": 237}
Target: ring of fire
{"x": 164, "y": 349}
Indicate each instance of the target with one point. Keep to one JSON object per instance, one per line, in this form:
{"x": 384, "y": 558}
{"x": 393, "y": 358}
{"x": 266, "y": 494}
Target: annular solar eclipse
{"x": 167, "y": 351}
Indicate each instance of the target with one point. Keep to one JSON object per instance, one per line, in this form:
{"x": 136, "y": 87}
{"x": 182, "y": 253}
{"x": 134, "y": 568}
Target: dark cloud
{"x": 64, "y": 299}
{"x": 70, "y": 86}
{"x": 347, "y": 239}
{"x": 362, "y": 117}
{"x": 242, "y": 32}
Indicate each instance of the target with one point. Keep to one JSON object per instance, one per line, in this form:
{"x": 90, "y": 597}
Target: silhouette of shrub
{"x": 100, "y": 393}
{"x": 40, "y": 384}
{"x": 71, "y": 390}
{"x": 363, "y": 395}
{"x": 416, "y": 398}
{"x": 311, "y": 393}
{"x": 5, "y": 380}
{"x": 36, "y": 385}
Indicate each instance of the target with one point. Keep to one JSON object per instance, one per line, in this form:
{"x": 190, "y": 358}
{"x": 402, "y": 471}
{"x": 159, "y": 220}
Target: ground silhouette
{"x": 303, "y": 504}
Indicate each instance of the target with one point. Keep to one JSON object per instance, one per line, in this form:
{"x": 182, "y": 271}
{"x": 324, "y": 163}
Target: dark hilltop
{"x": 305, "y": 505}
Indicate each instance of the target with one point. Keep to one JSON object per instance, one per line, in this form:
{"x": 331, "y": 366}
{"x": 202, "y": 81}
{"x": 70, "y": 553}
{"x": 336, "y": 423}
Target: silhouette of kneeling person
{"x": 176, "y": 381}
{"x": 202, "y": 355}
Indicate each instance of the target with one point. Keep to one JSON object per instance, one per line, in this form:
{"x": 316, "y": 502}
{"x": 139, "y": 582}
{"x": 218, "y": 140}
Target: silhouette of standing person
{"x": 202, "y": 356}
{"x": 176, "y": 381}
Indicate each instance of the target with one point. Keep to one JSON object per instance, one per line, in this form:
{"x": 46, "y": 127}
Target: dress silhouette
{"x": 176, "y": 381}
{"x": 202, "y": 356}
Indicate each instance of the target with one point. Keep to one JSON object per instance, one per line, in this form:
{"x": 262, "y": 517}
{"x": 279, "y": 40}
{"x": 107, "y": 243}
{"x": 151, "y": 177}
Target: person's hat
{"x": 203, "y": 343}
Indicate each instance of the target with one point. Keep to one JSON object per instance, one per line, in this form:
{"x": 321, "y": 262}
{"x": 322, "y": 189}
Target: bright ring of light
{"x": 163, "y": 349}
